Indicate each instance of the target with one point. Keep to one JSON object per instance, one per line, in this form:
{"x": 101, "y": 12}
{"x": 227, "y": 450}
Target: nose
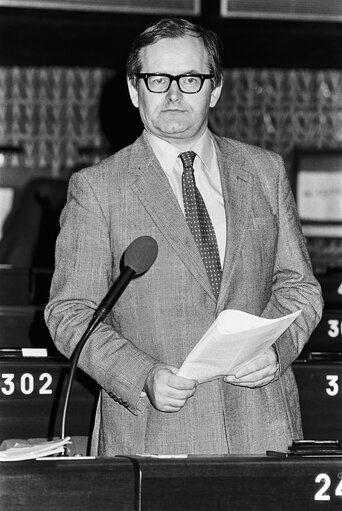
{"x": 174, "y": 93}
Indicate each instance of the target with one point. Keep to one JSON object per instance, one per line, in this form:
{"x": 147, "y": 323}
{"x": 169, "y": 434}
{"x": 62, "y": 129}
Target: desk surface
{"x": 226, "y": 483}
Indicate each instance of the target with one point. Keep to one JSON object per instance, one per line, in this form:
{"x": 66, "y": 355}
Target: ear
{"x": 133, "y": 93}
{"x": 215, "y": 94}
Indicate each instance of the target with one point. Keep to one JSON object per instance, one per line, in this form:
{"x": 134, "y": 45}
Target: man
{"x": 174, "y": 77}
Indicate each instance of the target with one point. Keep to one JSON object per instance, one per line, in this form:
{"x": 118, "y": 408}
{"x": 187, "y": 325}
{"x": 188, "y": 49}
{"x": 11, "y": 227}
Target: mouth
{"x": 173, "y": 110}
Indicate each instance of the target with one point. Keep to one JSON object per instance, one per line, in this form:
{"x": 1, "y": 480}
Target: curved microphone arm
{"x": 99, "y": 315}
{"x": 138, "y": 258}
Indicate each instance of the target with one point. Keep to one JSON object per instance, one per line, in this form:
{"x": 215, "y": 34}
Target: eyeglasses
{"x": 188, "y": 83}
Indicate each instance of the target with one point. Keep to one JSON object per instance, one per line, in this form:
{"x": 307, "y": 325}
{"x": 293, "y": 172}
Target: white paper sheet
{"x": 233, "y": 339}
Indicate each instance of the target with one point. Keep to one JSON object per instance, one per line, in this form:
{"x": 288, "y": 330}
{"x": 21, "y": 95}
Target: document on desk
{"x": 18, "y": 450}
{"x": 233, "y": 339}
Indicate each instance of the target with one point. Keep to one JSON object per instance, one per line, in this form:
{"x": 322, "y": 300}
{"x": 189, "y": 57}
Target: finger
{"x": 180, "y": 383}
{"x": 171, "y": 405}
{"x": 254, "y": 376}
{"x": 267, "y": 360}
{"x": 179, "y": 394}
{"x": 169, "y": 409}
{"x": 169, "y": 395}
{"x": 249, "y": 383}
{"x": 251, "y": 368}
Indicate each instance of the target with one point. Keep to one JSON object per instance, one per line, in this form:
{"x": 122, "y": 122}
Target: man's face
{"x": 174, "y": 116}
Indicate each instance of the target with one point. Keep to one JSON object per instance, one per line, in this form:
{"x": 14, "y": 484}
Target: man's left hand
{"x": 257, "y": 373}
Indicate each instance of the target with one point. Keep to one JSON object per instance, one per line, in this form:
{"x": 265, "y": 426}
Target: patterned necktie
{"x": 198, "y": 219}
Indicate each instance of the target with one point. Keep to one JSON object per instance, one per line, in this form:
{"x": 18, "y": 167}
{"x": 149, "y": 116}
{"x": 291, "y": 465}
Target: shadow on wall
{"x": 119, "y": 119}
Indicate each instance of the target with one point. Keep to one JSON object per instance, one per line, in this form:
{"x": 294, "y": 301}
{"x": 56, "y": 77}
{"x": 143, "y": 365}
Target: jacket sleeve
{"x": 82, "y": 277}
{"x": 294, "y": 285}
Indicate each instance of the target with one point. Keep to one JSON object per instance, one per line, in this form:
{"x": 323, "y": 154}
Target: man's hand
{"x": 257, "y": 373}
{"x": 167, "y": 391}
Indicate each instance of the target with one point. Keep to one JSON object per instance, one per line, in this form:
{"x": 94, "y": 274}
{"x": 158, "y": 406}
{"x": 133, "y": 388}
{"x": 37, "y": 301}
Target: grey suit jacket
{"x": 163, "y": 313}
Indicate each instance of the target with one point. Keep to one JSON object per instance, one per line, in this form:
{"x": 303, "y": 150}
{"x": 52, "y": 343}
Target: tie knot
{"x": 187, "y": 158}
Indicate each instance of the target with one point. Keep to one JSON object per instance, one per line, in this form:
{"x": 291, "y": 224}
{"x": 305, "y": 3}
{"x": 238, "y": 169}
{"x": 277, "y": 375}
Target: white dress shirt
{"x": 207, "y": 176}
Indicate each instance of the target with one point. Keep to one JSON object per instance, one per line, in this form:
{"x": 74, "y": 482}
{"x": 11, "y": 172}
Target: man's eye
{"x": 191, "y": 80}
{"x": 157, "y": 80}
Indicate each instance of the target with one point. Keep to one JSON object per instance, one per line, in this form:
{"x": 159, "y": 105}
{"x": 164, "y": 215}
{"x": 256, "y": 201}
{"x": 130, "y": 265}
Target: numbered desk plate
{"x": 327, "y": 337}
{"x": 31, "y": 398}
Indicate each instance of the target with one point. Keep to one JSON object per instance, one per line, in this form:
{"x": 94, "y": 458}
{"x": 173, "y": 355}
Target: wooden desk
{"x": 193, "y": 484}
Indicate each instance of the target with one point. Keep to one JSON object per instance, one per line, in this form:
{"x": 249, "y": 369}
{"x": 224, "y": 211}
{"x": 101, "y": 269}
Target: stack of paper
{"x": 24, "y": 450}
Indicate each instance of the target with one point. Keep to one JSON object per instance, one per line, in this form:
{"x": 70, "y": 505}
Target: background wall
{"x": 64, "y": 103}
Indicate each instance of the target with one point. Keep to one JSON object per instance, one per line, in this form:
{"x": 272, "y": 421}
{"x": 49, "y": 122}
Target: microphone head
{"x": 141, "y": 254}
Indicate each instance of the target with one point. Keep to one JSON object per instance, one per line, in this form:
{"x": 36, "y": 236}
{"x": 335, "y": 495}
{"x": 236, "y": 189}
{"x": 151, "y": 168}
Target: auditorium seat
{"x": 24, "y": 286}
{"x": 23, "y": 295}
{"x": 23, "y": 326}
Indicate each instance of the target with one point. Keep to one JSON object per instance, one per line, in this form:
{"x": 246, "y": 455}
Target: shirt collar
{"x": 167, "y": 154}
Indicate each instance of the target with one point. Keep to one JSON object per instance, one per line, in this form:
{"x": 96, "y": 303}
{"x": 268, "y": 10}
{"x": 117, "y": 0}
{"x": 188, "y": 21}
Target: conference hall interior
{"x": 64, "y": 106}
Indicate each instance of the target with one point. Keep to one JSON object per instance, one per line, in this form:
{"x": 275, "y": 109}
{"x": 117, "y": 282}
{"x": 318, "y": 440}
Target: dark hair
{"x": 171, "y": 28}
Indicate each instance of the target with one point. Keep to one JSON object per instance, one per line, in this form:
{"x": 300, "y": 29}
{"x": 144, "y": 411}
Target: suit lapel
{"x": 237, "y": 194}
{"x": 154, "y": 191}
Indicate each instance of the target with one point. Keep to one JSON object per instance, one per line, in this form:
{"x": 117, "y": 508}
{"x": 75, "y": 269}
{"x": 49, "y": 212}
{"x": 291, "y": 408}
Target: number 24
{"x": 326, "y": 480}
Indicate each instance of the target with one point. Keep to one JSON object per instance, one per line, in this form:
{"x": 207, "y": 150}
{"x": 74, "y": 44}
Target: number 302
{"x": 26, "y": 384}
{"x": 325, "y": 481}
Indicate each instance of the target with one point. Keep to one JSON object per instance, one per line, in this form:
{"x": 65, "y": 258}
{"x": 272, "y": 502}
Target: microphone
{"x": 138, "y": 258}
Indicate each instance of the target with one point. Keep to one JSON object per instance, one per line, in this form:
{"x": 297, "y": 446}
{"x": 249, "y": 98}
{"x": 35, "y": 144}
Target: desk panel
{"x": 227, "y": 483}
{"x": 74, "y": 485}
{"x": 320, "y": 392}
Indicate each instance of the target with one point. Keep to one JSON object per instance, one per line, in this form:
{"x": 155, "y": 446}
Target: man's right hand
{"x": 167, "y": 391}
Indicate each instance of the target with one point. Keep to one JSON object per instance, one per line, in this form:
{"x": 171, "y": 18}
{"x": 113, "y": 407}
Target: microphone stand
{"x": 99, "y": 315}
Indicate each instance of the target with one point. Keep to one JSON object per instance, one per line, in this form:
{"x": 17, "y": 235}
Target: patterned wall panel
{"x": 50, "y": 113}
{"x": 281, "y": 109}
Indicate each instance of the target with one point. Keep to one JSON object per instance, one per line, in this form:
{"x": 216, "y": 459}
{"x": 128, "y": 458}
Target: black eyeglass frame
{"x": 202, "y": 76}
